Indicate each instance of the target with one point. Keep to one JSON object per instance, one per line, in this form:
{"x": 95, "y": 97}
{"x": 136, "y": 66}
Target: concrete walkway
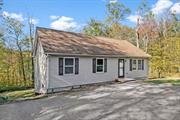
{"x": 128, "y": 101}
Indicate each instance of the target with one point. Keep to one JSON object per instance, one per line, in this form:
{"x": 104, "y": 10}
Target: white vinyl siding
{"x": 86, "y": 76}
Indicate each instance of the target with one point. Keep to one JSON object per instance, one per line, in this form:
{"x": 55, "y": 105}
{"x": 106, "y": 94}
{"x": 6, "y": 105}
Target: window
{"x": 134, "y": 65}
{"x": 69, "y": 66}
{"x": 99, "y": 65}
{"x": 139, "y": 64}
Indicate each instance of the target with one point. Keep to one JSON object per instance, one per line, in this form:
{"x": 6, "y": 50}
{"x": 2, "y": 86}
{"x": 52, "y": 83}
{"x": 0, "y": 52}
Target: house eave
{"x": 89, "y": 55}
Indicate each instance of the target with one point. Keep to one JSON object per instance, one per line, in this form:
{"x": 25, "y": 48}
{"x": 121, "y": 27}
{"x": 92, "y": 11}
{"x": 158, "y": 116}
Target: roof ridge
{"x": 109, "y": 38}
{"x": 38, "y": 27}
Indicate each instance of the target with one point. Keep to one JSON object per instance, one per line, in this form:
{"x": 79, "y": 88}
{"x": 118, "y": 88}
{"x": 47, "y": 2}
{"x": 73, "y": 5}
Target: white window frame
{"x": 99, "y": 65}
{"x": 64, "y": 66}
{"x": 134, "y": 66}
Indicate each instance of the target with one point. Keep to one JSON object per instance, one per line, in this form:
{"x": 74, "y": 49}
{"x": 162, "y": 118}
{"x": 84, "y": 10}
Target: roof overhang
{"x": 88, "y": 55}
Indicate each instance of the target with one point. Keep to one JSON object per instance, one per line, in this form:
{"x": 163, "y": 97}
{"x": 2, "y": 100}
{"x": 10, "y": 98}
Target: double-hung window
{"x": 99, "y": 65}
{"x": 140, "y": 64}
{"x": 136, "y": 64}
{"x": 69, "y": 65}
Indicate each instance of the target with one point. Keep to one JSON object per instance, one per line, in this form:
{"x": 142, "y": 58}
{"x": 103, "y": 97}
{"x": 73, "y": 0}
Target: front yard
{"x": 18, "y": 95}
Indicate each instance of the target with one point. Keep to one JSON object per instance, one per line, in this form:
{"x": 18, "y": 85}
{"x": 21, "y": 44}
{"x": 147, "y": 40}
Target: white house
{"x": 63, "y": 59}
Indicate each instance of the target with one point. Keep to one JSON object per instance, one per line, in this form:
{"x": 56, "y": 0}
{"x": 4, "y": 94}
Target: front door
{"x": 121, "y": 68}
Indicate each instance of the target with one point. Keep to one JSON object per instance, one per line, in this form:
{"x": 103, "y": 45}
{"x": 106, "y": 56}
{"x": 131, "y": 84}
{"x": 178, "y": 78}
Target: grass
{"x": 161, "y": 81}
{"x": 28, "y": 94}
{"x": 12, "y": 88}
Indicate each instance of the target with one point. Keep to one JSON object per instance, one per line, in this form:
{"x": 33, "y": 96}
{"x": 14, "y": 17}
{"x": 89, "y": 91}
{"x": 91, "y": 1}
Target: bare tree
{"x": 14, "y": 30}
{"x": 137, "y": 32}
{"x": 31, "y": 34}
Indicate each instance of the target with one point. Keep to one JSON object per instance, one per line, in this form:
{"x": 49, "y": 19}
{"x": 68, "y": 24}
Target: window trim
{"x": 64, "y": 66}
{"x": 100, "y": 65}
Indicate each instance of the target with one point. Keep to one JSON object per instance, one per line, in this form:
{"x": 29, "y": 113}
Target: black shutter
{"x": 94, "y": 65}
{"x": 60, "y": 66}
{"x": 142, "y": 64}
{"x": 130, "y": 64}
{"x": 118, "y": 67}
{"x": 105, "y": 65}
{"x": 76, "y": 65}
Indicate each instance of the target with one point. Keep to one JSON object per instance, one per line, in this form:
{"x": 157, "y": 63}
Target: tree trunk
{"x": 137, "y": 33}
{"x": 159, "y": 74}
{"x": 22, "y": 66}
{"x": 137, "y": 39}
{"x": 31, "y": 41}
{"x": 22, "y": 63}
{"x": 146, "y": 43}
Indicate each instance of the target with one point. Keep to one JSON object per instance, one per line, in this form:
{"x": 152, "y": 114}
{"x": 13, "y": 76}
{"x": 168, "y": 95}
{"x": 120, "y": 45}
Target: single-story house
{"x": 64, "y": 59}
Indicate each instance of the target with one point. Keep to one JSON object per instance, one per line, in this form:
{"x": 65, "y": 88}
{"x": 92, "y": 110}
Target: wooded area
{"x": 159, "y": 36}
{"x": 15, "y": 52}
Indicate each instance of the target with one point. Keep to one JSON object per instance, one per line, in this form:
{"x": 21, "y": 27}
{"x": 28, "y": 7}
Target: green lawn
{"x": 161, "y": 81}
{"x": 4, "y": 88}
{"x": 18, "y": 95}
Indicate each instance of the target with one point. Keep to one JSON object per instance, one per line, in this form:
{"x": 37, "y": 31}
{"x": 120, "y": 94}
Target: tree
{"x": 1, "y": 46}
{"x": 165, "y": 48}
{"x": 31, "y": 34}
{"x": 116, "y": 11}
{"x": 1, "y": 30}
{"x": 111, "y": 26}
{"x": 14, "y": 30}
{"x": 142, "y": 11}
{"x": 15, "y": 55}
{"x": 1, "y": 38}
{"x": 94, "y": 28}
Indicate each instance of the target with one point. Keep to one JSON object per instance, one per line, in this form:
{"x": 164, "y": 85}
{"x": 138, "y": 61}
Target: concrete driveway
{"x": 128, "y": 101}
